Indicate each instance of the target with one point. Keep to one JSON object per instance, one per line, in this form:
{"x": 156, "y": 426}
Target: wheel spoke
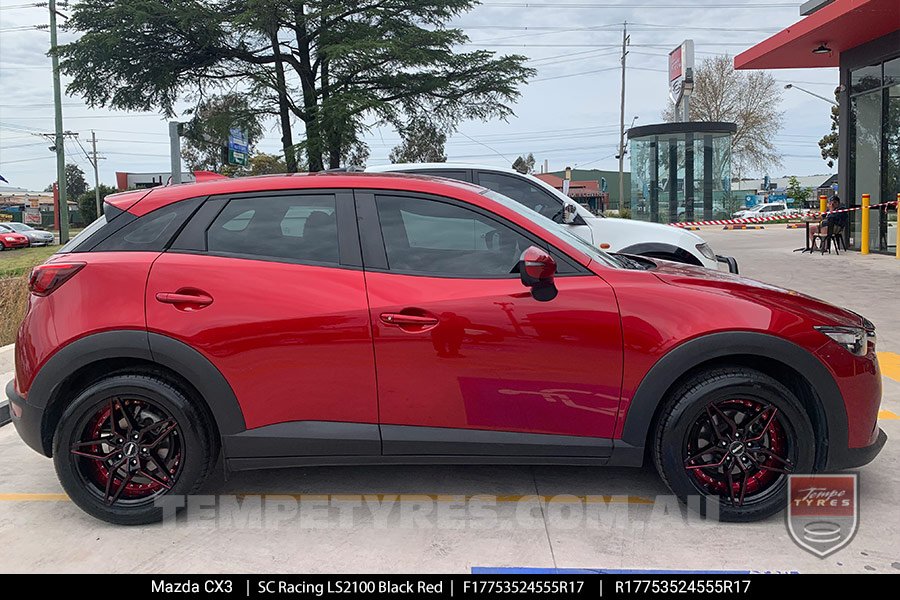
{"x": 165, "y": 433}
{"x": 129, "y": 418}
{"x": 96, "y": 442}
{"x": 122, "y": 487}
{"x": 708, "y": 465}
{"x": 722, "y": 416}
{"x": 730, "y": 483}
{"x": 160, "y": 463}
{"x": 111, "y": 477}
{"x": 113, "y": 422}
{"x": 701, "y": 454}
{"x": 787, "y": 467}
{"x": 743, "y": 486}
{"x": 158, "y": 424}
{"x": 154, "y": 479}
{"x": 93, "y": 456}
{"x": 765, "y": 428}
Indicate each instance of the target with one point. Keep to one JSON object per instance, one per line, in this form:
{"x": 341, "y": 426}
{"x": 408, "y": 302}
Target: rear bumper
{"x": 730, "y": 261}
{"x": 26, "y": 418}
{"x": 850, "y": 458}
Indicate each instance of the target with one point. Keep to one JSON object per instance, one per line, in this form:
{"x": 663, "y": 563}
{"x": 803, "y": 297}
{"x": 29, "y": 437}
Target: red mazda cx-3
{"x": 347, "y": 319}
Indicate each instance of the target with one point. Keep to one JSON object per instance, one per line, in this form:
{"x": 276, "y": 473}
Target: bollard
{"x": 823, "y": 203}
{"x": 864, "y": 228}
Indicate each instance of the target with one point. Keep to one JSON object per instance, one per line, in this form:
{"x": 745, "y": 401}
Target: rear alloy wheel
{"x": 734, "y": 434}
{"x": 127, "y": 440}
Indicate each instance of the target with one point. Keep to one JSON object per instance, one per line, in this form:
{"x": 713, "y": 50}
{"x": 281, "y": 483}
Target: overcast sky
{"x": 568, "y": 114}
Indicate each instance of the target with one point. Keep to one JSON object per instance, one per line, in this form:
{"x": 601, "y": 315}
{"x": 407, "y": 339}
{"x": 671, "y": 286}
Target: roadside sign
{"x": 237, "y": 147}
{"x": 31, "y": 216}
{"x": 681, "y": 63}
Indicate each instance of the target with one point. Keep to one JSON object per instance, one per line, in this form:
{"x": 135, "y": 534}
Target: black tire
{"x": 191, "y": 452}
{"x": 739, "y": 391}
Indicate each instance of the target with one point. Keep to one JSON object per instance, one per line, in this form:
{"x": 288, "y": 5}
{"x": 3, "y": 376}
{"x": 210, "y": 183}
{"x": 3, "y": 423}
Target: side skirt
{"x": 320, "y": 443}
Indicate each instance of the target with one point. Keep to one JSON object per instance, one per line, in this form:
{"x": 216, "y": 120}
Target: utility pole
{"x": 94, "y": 159}
{"x": 63, "y": 205}
{"x": 625, "y": 41}
{"x": 175, "y": 150}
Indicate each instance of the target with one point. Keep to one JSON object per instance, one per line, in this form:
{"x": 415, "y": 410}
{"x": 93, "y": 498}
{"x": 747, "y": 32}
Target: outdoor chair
{"x": 834, "y": 237}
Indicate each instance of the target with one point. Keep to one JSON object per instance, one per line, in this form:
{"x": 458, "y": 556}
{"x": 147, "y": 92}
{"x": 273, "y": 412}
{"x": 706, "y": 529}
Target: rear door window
{"x": 301, "y": 228}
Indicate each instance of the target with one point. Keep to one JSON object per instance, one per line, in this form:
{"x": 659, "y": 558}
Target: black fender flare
{"x": 680, "y": 253}
{"x": 152, "y": 347}
{"x": 690, "y": 354}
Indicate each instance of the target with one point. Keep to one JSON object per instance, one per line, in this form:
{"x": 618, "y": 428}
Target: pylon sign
{"x": 237, "y": 147}
{"x": 681, "y": 68}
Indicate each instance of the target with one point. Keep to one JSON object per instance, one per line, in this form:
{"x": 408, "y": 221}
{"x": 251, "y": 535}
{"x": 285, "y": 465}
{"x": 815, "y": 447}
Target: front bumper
{"x": 850, "y": 458}
{"x": 730, "y": 261}
{"x": 26, "y": 418}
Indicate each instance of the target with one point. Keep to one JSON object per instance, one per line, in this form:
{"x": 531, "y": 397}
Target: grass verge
{"x": 15, "y": 266}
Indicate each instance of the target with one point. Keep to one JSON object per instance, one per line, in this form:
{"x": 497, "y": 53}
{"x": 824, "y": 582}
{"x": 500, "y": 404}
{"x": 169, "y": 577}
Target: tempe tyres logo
{"x": 823, "y": 511}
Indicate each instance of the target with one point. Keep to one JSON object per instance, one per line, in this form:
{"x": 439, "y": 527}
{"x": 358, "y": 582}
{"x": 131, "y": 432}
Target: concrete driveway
{"x": 452, "y": 518}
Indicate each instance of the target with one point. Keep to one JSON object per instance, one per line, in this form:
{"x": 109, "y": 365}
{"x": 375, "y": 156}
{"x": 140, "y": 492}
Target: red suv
{"x": 372, "y": 319}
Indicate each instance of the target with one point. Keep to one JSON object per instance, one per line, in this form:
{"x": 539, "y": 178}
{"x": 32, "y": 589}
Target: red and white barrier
{"x": 777, "y": 217}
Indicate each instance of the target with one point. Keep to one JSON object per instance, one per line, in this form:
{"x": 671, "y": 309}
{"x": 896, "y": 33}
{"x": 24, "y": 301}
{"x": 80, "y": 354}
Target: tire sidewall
{"x": 693, "y": 403}
{"x": 195, "y": 444}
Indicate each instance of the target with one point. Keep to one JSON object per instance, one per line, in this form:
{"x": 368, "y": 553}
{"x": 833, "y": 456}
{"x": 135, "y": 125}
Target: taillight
{"x": 46, "y": 278}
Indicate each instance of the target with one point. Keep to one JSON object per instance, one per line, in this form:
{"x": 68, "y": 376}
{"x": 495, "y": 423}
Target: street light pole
{"x": 63, "y": 205}
{"x": 797, "y": 87}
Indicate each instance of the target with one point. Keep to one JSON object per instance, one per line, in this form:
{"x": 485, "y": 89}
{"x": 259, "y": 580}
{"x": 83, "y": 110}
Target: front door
{"x": 465, "y": 356}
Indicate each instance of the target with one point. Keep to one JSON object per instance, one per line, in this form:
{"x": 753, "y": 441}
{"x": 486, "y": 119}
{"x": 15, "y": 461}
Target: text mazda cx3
{"x": 347, "y": 318}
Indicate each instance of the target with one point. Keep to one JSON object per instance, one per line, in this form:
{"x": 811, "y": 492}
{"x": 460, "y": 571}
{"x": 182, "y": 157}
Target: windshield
{"x": 18, "y": 226}
{"x": 560, "y": 231}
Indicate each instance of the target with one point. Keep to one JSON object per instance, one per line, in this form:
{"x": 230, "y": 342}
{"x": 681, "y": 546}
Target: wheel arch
{"x": 94, "y": 356}
{"x": 790, "y": 364}
{"x": 660, "y": 248}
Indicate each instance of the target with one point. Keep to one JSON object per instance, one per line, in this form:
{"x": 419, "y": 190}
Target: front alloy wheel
{"x": 733, "y": 435}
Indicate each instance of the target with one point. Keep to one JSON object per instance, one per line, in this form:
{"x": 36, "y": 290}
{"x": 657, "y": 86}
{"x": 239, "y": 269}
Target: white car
{"x": 625, "y": 236}
{"x": 769, "y": 209}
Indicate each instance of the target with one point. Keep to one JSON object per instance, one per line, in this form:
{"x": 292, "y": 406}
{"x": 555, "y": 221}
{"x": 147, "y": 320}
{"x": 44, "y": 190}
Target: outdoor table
{"x": 806, "y": 221}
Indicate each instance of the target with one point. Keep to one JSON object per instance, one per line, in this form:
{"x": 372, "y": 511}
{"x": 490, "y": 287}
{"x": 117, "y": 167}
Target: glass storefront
{"x": 874, "y": 150}
{"x": 681, "y": 172}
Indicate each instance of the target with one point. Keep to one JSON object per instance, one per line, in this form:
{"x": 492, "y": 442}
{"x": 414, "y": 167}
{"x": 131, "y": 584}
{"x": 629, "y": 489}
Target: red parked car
{"x": 11, "y": 239}
{"x": 348, "y": 318}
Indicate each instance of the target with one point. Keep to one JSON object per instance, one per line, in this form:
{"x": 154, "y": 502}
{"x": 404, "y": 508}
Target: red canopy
{"x": 841, "y": 25}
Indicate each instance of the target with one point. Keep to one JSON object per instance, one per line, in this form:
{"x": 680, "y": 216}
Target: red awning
{"x": 842, "y": 25}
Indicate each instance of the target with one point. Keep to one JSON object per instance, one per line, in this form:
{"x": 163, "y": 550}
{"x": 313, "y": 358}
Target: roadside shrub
{"x": 13, "y": 301}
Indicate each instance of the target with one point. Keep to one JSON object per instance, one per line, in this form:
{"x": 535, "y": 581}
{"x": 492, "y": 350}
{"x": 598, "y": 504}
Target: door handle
{"x": 410, "y": 323}
{"x": 198, "y": 299}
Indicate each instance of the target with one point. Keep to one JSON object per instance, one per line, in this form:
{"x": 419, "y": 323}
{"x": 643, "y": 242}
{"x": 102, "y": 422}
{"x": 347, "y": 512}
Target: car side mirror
{"x": 569, "y": 213}
{"x": 537, "y": 270}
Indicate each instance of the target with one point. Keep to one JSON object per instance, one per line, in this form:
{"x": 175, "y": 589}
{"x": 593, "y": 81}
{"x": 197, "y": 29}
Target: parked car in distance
{"x": 36, "y": 237}
{"x": 11, "y": 239}
{"x": 770, "y": 209}
{"x": 333, "y": 319}
{"x": 626, "y": 236}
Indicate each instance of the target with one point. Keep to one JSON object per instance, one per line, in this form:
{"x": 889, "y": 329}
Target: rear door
{"x": 269, "y": 287}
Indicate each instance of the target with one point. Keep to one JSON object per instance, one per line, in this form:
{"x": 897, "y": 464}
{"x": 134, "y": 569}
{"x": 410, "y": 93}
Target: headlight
{"x": 706, "y": 251}
{"x": 9, "y": 238}
{"x": 854, "y": 339}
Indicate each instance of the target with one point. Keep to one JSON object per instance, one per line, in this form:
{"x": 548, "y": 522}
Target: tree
{"x": 748, "y": 98}
{"x": 423, "y": 141}
{"x": 796, "y": 191}
{"x": 524, "y": 164}
{"x": 76, "y": 184}
{"x": 829, "y": 142}
{"x": 206, "y": 134}
{"x": 87, "y": 202}
{"x": 339, "y": 66}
